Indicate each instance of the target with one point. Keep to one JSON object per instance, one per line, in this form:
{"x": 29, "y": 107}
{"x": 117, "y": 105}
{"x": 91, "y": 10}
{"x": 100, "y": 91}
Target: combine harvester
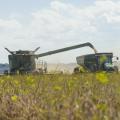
{"x": 25, "y": 61}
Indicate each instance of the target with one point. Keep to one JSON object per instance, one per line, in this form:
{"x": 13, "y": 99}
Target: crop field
{"x": 60, "y": 97}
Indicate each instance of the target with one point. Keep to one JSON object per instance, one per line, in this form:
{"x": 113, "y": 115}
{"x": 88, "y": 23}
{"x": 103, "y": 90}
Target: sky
{"x": 54, "y": 24}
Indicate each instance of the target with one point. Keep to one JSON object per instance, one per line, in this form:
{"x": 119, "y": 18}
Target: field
{"x": 60, "y": 97}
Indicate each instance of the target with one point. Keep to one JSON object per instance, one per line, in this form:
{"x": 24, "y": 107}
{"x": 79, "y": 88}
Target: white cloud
{"x": 9, "y": 24}
{"x": 63, "y": 24}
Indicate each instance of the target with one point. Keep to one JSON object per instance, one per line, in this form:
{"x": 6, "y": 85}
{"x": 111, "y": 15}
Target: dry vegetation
{"x": 60, "y": 97}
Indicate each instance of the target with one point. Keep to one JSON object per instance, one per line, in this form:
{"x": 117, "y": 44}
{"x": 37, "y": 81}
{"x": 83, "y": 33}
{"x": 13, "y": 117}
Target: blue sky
{"x": 52, "y": 24}
{"x": 8, "y": 7}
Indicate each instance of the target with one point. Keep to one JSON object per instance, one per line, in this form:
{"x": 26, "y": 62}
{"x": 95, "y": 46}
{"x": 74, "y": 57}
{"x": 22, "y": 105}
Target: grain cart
{"x": 96, "y": 62}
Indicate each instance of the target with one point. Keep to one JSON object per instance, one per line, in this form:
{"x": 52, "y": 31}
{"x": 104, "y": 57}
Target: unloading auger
{"x": 67, "y": 49}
